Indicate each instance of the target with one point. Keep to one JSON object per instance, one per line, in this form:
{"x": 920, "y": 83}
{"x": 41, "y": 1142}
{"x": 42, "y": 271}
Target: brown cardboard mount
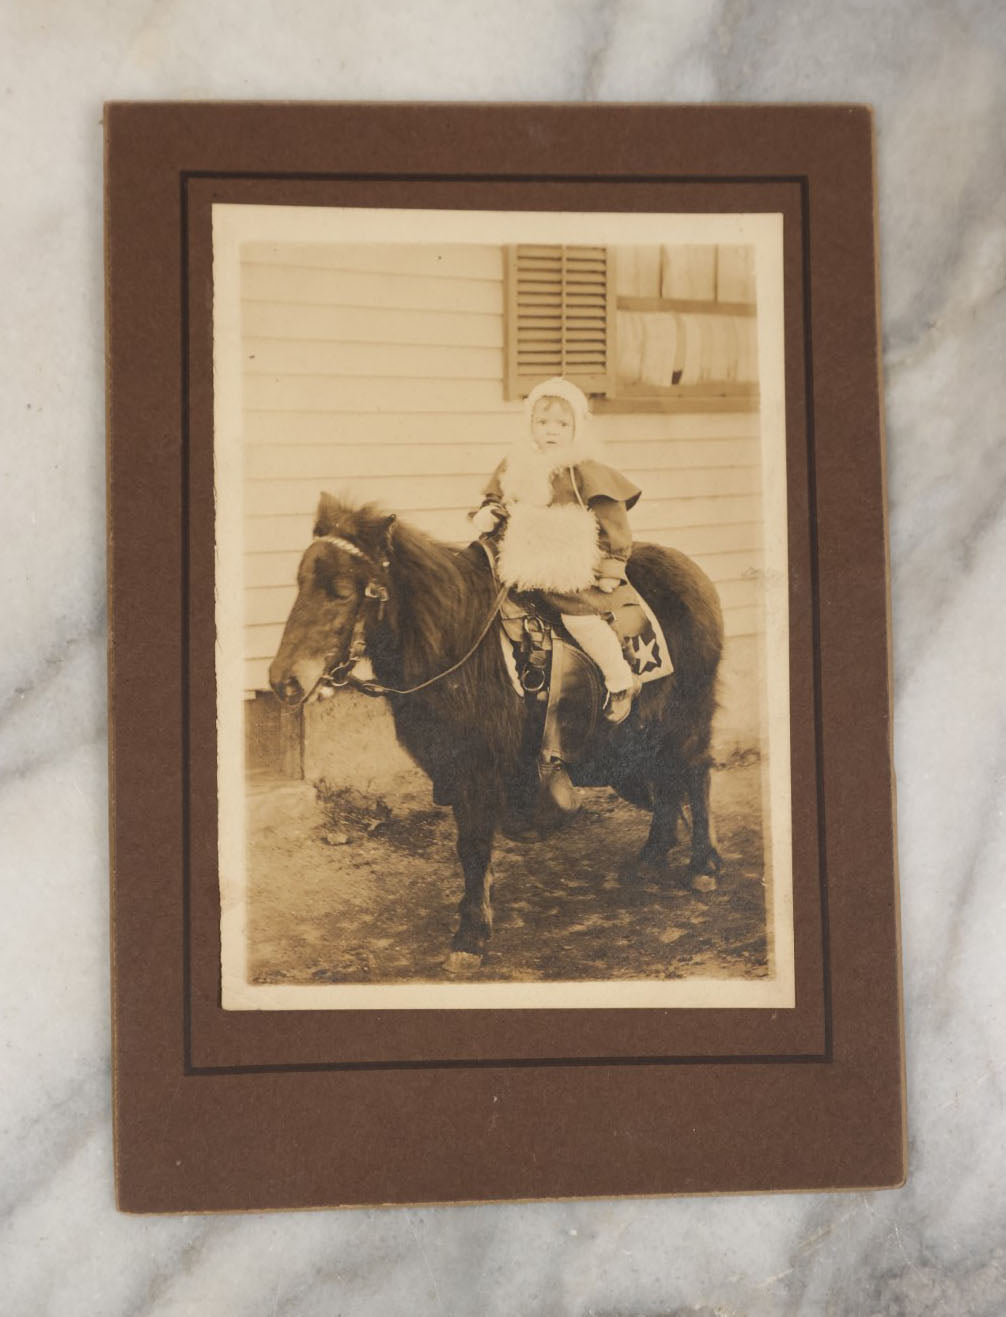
{"x": 226, "y": 1111}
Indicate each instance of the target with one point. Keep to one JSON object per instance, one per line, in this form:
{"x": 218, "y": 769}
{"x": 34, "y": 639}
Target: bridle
{"x": 338, "y": 674}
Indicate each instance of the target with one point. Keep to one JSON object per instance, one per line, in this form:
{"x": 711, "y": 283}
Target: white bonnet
{"x": 557, "y": 387}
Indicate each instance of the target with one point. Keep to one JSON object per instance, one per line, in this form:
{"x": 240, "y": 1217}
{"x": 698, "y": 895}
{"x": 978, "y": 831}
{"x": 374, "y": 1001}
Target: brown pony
{"x": 371, "y": 584}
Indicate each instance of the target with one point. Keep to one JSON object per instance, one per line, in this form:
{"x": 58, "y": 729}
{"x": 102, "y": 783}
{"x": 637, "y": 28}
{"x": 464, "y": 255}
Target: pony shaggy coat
{"x": 468, "y": 731}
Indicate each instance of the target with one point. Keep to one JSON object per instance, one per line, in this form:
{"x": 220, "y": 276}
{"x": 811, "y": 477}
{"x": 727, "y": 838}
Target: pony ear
{"x": 336, "y": 516}
{"x": 368, "y": 527}
{"x": 373, "y": 526}
{"x": 327, "y": 516}
{"x": 387, "y": 529}
{"x": 382, "y": 544}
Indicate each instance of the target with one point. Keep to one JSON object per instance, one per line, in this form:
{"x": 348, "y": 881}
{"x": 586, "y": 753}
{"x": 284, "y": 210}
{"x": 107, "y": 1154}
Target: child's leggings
{"x": 601, "y": 643}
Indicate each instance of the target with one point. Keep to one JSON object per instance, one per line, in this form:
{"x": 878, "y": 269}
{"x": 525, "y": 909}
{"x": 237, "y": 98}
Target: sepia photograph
{"x": 501, "y": 609}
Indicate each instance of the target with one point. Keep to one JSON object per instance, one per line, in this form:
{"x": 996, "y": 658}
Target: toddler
{"x": 559, "y": 516}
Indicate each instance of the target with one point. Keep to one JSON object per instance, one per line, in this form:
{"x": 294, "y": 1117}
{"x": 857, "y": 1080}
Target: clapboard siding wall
{"x": 377, "y": 371}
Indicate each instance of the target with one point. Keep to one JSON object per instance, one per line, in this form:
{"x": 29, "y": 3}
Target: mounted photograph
{"x": 502, "y": 609}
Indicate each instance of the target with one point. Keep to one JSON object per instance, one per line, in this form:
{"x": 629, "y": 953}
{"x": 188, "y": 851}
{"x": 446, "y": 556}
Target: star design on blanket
{"x": 645, "y": 653}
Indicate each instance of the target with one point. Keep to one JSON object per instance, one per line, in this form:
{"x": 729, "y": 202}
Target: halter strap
{"x": 374, "y": 589}
{"x": 376, "y": 688}
{"x": 346, "y": 545}
{"x": 378, "y": 590}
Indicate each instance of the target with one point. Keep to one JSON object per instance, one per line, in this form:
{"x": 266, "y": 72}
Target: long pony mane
{"x": 438, "y": 593}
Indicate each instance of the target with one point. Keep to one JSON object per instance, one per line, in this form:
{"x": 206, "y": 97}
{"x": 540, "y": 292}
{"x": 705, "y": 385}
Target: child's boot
{"x": 620, "y": 702}
{"x": 556, "y": 784}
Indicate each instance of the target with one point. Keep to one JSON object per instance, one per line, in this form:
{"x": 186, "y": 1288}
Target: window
{"x": 668, "y": 328}
{"x": 560, "y": 317}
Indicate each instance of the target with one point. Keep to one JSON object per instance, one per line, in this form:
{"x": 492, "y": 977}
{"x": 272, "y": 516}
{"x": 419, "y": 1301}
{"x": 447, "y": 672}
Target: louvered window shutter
{"x": 560, "y": 317}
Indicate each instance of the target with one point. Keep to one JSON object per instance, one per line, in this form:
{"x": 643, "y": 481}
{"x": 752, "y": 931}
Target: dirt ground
{"x": 357, "y": 890}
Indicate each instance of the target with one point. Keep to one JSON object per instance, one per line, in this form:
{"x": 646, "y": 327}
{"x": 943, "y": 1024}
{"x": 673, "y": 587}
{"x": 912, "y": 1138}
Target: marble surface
{"x": 934, "y": 71}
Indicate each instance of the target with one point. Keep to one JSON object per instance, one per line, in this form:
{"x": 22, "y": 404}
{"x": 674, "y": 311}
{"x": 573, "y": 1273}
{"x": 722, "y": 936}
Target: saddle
{"x": 548, "y": 668}
{"x": 564, "y": 691}
{"x": 557, "y": 680}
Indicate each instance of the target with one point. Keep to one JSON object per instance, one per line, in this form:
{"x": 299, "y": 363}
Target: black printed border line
{"x": 826, "y": 1055}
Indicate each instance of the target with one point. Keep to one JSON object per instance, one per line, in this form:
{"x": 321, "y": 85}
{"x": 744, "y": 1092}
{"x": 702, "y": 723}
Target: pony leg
{"x": 668, "y": 789}
{"x": 705, "y": 862}
{"x": 476, "y": 808}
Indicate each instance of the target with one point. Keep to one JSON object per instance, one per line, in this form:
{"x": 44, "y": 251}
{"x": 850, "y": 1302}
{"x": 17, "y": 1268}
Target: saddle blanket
{"x": 642, "y": 638}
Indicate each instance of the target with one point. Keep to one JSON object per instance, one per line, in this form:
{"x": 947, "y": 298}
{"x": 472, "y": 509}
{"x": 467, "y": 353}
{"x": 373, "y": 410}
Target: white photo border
{"x": 236, "y": 224}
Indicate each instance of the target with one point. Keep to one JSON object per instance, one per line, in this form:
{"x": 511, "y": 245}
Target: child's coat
{"x": 563, "y": 546}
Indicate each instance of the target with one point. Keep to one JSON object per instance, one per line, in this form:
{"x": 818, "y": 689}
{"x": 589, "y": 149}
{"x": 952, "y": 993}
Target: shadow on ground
{"x": 348, "y": 889}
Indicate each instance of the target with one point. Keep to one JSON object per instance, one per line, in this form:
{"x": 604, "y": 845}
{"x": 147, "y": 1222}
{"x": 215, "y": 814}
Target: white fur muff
{"x": 549, "y": 548}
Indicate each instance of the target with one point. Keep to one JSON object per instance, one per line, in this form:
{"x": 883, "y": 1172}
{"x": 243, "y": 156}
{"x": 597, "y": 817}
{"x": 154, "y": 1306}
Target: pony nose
{"x": 287, "y": 687}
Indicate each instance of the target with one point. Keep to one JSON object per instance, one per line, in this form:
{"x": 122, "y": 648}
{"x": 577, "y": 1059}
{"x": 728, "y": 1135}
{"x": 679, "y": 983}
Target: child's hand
{"x": 486, "y": 517}
{"x": 608, "y": 583}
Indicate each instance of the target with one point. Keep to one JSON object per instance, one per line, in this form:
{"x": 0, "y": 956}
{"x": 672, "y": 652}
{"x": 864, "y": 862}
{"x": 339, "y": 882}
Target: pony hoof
{"x": 703, "y": 882}
{"x": 462, "y": 962}
{"x": 703, "y": 876}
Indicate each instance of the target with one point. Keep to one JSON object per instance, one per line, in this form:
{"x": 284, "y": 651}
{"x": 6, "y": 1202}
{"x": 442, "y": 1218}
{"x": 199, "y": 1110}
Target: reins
{"x": 376, "y": 688}
{"x": 376, "y": 589}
